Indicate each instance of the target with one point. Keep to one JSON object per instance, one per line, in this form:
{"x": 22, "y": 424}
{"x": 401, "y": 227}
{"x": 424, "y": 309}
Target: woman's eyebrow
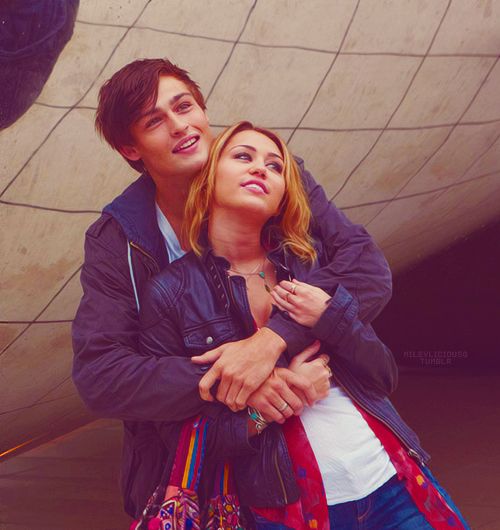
{"x": 246, "y": 146}
{"x": 276, "y": 155}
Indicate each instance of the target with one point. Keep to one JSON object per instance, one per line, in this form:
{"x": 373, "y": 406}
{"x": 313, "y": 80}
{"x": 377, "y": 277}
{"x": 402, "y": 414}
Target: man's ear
{"x": 130, "y": 152}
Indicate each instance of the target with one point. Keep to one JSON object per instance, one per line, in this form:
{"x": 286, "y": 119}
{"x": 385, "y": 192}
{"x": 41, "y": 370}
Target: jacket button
{"x": 209, "y": 340}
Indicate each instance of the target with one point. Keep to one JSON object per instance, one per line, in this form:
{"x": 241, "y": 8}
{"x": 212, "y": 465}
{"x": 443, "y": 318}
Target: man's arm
{"x": 353, "y": 261}
{"x": 112, "y": 377}
{"x": 228, "y": 433}
{"x": 333, "y": 318}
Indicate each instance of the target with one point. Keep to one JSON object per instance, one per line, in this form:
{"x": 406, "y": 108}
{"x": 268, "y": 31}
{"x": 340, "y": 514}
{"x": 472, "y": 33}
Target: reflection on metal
{"x": 18, "y": 447}
{"x": 33, "y": 36}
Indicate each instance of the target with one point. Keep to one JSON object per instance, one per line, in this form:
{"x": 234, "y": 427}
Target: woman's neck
{"x": 236, "y": 238}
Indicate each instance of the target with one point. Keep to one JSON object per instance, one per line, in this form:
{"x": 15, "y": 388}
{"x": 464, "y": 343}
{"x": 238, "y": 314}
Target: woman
{"x": 247, "y": 225}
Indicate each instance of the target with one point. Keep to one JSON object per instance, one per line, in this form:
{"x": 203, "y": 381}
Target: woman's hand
{"x": 286, "y": 392}
{"x": 303, "y": 302}
{"x": 316, "y": 371}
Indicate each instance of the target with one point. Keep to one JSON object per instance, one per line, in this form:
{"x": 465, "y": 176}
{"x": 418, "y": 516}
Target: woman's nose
{"x": 259, "y": 170}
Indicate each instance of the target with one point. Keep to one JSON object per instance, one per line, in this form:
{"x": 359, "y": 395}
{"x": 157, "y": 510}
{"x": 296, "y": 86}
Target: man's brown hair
{"x": 131, "y": 90}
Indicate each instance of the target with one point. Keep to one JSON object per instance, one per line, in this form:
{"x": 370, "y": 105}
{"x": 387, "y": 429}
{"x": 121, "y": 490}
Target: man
{"x": 154, "y": 115}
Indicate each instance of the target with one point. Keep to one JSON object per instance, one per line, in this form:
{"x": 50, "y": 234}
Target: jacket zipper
{"x": 230, "y": 285}
{"x": 275, "y": 458}
{"x": 411, "y": 452}
{"x": 246, "y": 316}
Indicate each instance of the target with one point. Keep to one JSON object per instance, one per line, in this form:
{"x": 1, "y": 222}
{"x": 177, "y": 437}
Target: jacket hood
{"x": 135, "y": 211}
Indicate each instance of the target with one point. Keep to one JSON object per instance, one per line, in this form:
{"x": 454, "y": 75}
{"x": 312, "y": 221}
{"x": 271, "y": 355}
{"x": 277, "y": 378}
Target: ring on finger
{"x": 283, "y": 407}
{"x": 294, "y": 288}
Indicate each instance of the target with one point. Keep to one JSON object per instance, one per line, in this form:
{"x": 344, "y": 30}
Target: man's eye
{"x": 184, "y": 106}
{"x": 153, "y": 121}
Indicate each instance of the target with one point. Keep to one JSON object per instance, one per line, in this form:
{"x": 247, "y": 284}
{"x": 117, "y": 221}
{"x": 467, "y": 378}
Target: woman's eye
{"x": 276, "y": 166}
{"x": 243, "y": 156}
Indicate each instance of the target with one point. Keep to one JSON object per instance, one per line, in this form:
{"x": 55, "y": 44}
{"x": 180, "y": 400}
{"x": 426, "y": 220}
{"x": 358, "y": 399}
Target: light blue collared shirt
{"x": 174, "y": 248}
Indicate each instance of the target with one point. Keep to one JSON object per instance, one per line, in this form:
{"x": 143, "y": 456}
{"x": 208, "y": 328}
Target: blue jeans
{"x": 390, "y": 507}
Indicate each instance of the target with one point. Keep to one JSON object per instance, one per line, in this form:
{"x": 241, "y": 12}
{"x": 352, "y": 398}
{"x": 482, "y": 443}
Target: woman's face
{"x": 249, "y": 178}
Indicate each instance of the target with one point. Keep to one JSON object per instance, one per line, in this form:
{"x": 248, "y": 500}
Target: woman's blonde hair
{"x": 293, "y": 219}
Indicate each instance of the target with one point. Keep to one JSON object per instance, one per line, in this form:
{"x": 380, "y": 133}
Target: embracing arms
{"x": 115, "y": 380}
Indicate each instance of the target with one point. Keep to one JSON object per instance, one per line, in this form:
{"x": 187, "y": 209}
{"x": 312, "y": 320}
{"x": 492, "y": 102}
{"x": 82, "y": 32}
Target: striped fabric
{"x": 177, "y": 506}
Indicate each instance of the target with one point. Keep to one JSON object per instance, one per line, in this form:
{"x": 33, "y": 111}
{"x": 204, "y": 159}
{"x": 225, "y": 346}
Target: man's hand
{"x": 241, "y": 366}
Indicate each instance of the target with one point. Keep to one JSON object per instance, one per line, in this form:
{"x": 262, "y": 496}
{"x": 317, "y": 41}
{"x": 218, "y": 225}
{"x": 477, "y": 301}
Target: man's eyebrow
{"x": 154, "y": 110}
{"x": 179, "y": 96}
{"x": 255, "y": 150}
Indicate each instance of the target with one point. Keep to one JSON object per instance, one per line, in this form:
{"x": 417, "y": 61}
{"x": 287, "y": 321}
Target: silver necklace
{"x": 255, "y": 272}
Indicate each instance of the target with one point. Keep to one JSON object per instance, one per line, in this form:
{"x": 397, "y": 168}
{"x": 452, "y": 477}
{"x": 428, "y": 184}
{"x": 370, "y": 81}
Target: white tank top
{"x": 351, "y": 459}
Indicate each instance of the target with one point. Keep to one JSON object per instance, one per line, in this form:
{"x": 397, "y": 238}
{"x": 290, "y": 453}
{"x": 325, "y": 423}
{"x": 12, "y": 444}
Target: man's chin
{"x": 196, "y": 164}
{"x": 190, "y": 170}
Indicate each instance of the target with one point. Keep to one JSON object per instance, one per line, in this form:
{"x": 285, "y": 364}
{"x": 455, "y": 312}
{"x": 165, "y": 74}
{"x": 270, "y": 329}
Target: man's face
{"x": 173, "y": 136}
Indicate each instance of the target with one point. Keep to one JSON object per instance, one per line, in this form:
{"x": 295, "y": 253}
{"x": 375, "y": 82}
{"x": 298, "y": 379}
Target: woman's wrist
{"x": 257, "y": 422}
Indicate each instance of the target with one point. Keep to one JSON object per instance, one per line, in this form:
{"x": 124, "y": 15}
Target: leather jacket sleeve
{"x": 112, "y": 377}
{"x": 355, "y": 345}
{"x": 353, "y": 261}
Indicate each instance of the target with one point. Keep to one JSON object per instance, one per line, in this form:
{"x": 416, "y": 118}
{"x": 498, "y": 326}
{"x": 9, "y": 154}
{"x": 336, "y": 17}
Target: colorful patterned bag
{"x": 177, "y": 507}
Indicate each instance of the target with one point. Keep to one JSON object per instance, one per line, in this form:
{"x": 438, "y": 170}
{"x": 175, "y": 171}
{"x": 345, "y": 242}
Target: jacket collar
{"x": 135, "y": 211}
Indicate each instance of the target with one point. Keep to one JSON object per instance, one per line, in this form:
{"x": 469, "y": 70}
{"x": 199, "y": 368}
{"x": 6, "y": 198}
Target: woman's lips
{"x": 255, "y": 186}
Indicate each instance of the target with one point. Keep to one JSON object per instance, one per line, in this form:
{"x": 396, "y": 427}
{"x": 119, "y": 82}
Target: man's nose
{"x": 177, "y": 125}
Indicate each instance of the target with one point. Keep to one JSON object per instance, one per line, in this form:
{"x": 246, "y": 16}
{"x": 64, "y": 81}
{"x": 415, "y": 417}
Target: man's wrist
{"x": 274, "y": 342}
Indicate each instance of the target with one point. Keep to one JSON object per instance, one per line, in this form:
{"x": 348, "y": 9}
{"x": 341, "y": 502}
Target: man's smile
{"x": 186, "y": 143}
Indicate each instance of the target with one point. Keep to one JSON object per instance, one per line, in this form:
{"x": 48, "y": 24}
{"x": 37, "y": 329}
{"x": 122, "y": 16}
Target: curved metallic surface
{"x": 394, "y": 106}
